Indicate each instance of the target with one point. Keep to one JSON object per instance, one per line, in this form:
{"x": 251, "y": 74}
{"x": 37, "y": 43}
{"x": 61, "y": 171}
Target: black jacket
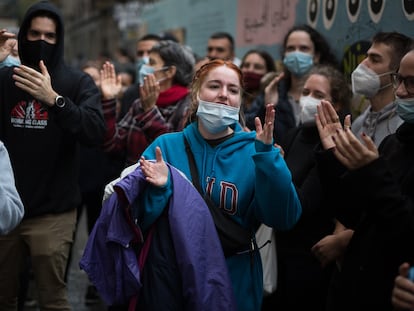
{"x": 375, "y": 201}
{"x": 43, "y": 141}
{"x": 302, "y": 282}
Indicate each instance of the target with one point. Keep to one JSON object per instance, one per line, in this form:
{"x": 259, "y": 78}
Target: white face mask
{"x": 308, "y": 109}
{"x": 215, "y": 117}
{"x": 366, "y": 82}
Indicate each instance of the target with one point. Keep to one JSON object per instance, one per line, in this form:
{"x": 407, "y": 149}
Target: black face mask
{"x": 35, "y": 51}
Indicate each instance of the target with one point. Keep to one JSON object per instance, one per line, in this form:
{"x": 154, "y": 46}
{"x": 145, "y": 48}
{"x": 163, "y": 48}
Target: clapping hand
{"x": 346, "y": 147}
{"x": 37, "y": 84}
{"x": 265, "y": 133}
{"x": 327, "y": 122}
{"x": 156, "y": 172}
{"x": 271, "y": 90}
{"x": 111, "y": 84}
{"x": 149, "y": 92}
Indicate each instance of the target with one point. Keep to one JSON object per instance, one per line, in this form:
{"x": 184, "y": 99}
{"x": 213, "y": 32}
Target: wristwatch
{"x": 60, "y": 101}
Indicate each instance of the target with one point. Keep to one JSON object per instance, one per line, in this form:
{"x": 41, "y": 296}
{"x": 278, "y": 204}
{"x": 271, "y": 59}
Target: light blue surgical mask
{"x": 146, "y": 70}
{"x": 139, "y": 63}
{"x": 298, "y": 63}
{"x": 143, "y": 72}
{"x": 215, "y": 117}
{"x": 10, "y": 61}
{"x": 405, "y": 109}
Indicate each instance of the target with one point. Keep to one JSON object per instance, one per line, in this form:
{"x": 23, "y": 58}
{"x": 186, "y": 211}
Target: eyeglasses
{"x": 408, "y": 81}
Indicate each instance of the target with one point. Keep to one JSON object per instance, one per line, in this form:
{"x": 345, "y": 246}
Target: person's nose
{"x": 401, "y": 91}
{"x": 223, "y": 93}
{"x": 365, "y": 61}
{"x": 213, "y": 54}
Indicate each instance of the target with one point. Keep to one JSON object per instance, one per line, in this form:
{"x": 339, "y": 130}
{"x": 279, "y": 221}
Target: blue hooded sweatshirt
{"x": 246, "y": 178}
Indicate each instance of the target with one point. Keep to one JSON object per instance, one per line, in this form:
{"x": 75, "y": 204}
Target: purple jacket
{"x": 112, "y": 265}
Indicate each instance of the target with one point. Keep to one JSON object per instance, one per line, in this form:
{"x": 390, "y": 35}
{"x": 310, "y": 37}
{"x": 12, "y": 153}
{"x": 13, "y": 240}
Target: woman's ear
{"x": 316, "y": 58}
{"x": 171, "y": 71}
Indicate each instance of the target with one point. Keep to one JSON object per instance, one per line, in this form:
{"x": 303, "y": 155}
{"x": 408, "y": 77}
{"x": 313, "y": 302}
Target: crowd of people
{"x": 196, "y": 152}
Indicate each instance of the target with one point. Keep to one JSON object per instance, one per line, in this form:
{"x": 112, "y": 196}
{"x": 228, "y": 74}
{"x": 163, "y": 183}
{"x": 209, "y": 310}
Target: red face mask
{"x": 251, "y": 81}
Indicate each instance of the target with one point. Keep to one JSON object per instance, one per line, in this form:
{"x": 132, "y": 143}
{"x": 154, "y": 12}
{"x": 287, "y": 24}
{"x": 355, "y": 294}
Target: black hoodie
{"x": 42, "y": 140}
{"x": 47, "y": 9}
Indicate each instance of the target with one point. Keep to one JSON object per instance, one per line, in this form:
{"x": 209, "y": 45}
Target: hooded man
{"x": 47, "y": 109}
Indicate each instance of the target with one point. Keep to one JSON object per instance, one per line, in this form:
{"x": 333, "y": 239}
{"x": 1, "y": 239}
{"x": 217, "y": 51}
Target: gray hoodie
{"x": 377, "y": 125}
{"x": 11, "y": 206}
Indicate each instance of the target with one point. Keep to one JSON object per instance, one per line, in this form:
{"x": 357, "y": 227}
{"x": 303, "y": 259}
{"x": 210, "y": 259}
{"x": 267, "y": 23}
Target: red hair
{"x": 201, "y": 75}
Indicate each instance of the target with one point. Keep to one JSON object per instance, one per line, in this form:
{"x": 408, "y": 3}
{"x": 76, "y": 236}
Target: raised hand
{"x": 271, "y": 90}
{"x": 149, "y": 92}
{"x": 7, "y": 43}
{"x": 351, "y": 152}
{"x": 346, "y": 147}
{"x": 327, "y": 122}
{"x": 111, "y": 85}
{"x": 265, "y": 133}
{"x": 156, "y": 172}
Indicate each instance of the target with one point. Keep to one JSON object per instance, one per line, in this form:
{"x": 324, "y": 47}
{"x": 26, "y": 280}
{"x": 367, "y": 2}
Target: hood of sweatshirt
{"x": 53, "y": 53}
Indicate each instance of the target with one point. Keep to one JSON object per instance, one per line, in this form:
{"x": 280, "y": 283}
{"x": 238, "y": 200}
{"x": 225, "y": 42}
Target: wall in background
{"x": 347, "y": 24}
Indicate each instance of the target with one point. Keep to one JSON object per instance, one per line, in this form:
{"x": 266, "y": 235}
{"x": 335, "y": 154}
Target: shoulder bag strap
{"x": 193, "y": 169}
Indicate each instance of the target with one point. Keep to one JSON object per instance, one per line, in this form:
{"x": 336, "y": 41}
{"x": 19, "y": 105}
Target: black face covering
{"x": 35, "y": 51}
